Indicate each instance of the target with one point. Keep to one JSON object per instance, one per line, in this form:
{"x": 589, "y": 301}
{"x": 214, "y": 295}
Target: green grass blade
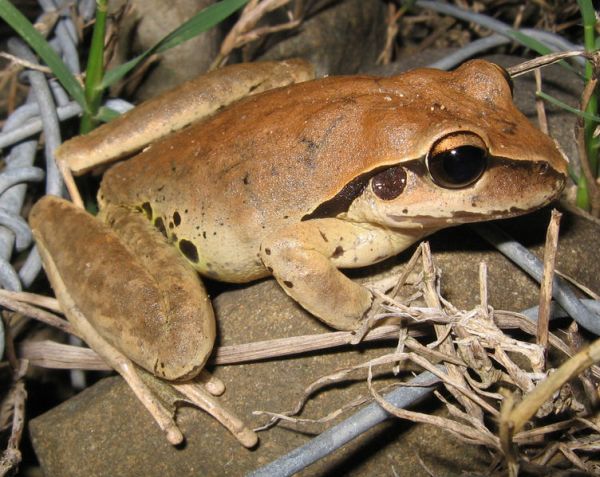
{"x": 37, "y": 42}
{"x": 106, "y": 114}
{"x": 565, "y": 106}
{"x": 202, "y": 21}
{"x": 530, "y": 43}
{"x": 95, "y": 70}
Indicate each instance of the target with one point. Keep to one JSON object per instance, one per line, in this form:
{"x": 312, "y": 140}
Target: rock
{"x": 146, "y": 24}
{"x": 340, "y": 38}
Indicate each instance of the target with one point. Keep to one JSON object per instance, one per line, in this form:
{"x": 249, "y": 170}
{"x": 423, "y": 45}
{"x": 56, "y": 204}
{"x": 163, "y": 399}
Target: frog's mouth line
{"x": 464, "y": 217}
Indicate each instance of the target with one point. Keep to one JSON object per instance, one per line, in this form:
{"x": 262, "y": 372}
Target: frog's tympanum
{"x": 295, "y": 182}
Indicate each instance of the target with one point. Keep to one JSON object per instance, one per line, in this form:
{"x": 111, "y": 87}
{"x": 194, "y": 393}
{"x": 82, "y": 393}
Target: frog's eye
{"x": 457, "y": 160}
{"x": 389, "y": 183}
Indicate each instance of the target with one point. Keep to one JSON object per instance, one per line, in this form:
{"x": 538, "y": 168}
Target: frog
{"x": 297, "y": 182}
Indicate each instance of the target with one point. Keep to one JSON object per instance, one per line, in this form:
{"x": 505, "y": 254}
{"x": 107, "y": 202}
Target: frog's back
{"x": 272, "y": 159}
{"x": 267, "y": 161}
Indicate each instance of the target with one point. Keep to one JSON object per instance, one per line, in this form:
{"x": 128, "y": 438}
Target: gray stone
{"x": 342, "y": 38}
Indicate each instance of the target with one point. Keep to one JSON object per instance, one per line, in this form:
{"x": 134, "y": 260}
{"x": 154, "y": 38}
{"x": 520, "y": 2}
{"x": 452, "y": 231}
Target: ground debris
{"x": 489, "y": 373}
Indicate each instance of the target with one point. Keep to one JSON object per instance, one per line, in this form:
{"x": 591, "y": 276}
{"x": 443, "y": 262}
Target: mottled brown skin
{"x": 249, "y": 191}
{"x": 273, "y": 158}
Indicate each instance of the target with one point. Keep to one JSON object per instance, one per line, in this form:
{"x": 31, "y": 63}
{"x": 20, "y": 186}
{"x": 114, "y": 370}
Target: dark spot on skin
{"x": 147, "y": 208}
{"x": 185, "y": 211}
{"x": 268, "y": 251}
{"x": 160, "y": 225}
{"x": 214, "y": 233}
{"x": 323, "y": 236}
{"x": 204, "y": 234}
{"x": 245, "y": 179}
{"x": 221, "y": 224}
{"x": 160, "y": 188}
{"x": 171, "y": 225}
{"x": 288, "y": 284}
{"x": 189, "y": 250}
{"x": 338, "y": 252}
{"x": 197, "y": 227}
{"x": 209, "y": 265}
{"x": 286, "y": 216}
{"x": 312, "y": 148}
{"x": 355, "y": 259}
{"x": 173, "y": 169}
{"x": 176, "y": 218}
{"x": 473, "y": 204}
{"x": 270, "y": 269}
{"x": 405, "y": 211}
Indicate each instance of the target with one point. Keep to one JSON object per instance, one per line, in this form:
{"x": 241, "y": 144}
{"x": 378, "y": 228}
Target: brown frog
{"x": 295, "y": 182}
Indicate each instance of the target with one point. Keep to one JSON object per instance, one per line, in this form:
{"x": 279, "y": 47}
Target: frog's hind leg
{"x": 125, "y": 288}
{"x": 130, "y": 284}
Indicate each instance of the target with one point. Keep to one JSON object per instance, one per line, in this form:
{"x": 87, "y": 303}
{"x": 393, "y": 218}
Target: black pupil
{"x": 458, "y": 167}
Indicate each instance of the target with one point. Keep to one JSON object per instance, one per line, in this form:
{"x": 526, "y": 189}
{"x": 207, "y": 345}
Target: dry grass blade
{"x": 519, "y": 416}
{"x": 32, "y": 299}
{"x": 431, "y": 295}
{"x": 461, "y": 431}
{"x": 24, "y": 63}
{"x": 546, "y": 288}
{"x": 49, "y": 354}
{"x": 544, "y": 60}
{"x": 7, "y": 300}
{"x": 13, "y": 411}
{"x": 245, "y": 31}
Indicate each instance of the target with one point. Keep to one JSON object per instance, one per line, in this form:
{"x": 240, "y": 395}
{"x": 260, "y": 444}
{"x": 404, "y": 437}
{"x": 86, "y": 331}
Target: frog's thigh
{"x": 130, "y": 284}
{"x": 303, "y": 258}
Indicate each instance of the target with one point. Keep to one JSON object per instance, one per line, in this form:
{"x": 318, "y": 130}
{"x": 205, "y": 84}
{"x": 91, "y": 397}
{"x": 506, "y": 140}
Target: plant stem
{"x": 589, "y": 22}
{"x": 95, "y": 70}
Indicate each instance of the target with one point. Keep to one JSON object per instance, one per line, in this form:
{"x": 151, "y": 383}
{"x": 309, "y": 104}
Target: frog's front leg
{"x": 305, "y": 257}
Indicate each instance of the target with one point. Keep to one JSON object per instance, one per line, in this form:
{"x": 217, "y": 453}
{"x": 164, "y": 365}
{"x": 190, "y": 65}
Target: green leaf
{"x": 565, "y": 106}
{"x": 529, "y": 42}
{"x": 37, "y": 42}
{"x": 106, "y": 114}
{"x": 202, "y": 21}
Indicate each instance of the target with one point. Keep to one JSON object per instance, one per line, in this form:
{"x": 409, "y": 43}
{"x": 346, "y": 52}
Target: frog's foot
{"x": 305, "y": 257}
{"x": 213, "y": 385}
{"x": 198, "y": 395}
